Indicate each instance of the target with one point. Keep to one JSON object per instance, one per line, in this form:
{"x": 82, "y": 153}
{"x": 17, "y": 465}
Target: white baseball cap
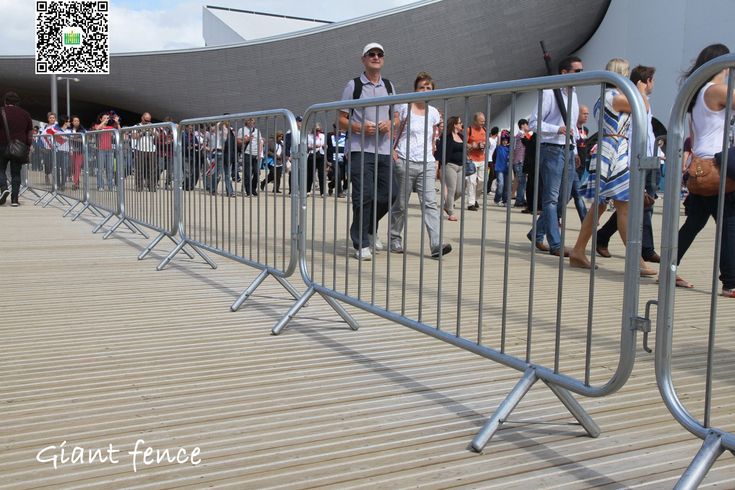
{"x": 370, "y": 46}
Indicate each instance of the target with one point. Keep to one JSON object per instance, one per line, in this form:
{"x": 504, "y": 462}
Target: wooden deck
{"x": 99, "y": 349}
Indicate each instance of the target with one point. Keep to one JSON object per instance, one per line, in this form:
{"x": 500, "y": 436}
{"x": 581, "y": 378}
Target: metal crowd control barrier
{"x": 103, "y": 191}
{"x": 425, "y": 294}
{"x": 716, "y": 438}
{"x": 235, "y": 171}
{"x": 43, "y": 175}
{"x": 70, "y": 159}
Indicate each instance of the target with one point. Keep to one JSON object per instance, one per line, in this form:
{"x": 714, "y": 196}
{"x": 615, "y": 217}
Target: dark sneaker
{"x": 4, "y": 196}
{"x": 443, "y": 250}
{"x": 15, "y": 203}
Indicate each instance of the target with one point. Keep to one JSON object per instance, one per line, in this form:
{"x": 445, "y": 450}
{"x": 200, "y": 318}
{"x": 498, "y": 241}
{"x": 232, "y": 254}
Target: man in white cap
{"x": 368, "y": 147}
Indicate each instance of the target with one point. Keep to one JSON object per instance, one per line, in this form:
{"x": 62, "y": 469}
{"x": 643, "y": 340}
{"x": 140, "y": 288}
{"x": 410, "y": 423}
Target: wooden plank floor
{"x": 99, "y": 349}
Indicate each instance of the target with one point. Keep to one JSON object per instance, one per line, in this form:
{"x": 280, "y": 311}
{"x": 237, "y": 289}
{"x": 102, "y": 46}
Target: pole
{"x": 54, "y": 95}
{"x": 68, "y": 100}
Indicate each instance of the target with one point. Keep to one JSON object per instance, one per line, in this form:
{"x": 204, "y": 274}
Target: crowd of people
{"x": 382, "y": 154}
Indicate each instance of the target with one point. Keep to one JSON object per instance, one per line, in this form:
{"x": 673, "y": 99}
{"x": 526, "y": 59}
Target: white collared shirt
{"x": 551, "y": 119}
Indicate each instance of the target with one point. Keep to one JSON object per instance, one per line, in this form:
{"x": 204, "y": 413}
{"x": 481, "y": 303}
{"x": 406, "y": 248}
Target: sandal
{"x": 452, "y": 217}
{"x": 728, "y": 293}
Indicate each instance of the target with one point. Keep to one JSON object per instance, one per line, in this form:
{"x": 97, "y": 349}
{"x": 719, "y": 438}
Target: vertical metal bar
{"x": 442, "y": 201}
{"x": 593, "y": 245}
{"x": 534, "y": 226}
{"x": 565, "y": 190}
{"x": 406, "y": 195}
{"x": 506, "y": 254}
{"x": 461, "y": 222}
{"x": 483, "y": 237}
{"x": 717, "y": 252}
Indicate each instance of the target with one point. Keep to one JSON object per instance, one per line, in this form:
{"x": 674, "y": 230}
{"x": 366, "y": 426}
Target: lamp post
{"x": 68, "y": 99}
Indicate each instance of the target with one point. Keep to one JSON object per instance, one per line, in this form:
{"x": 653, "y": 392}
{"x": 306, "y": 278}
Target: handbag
{"x": 470, "y": 168}
{"x": 704, "y": 177}
{"x": 648, "y": 200}
{"x": 17, "y": 151}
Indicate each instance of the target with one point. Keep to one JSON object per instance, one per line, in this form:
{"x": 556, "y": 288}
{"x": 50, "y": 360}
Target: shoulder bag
{"x": 16, "y": 151}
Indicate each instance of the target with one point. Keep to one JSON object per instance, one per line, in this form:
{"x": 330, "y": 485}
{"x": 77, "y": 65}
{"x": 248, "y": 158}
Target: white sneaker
{"x": 375, "y": 242}
{"x": 363, "y": 254}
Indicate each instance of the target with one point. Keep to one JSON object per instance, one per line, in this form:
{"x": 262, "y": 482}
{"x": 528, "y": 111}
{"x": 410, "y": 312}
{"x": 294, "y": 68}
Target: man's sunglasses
{"x": 371, "y": 54}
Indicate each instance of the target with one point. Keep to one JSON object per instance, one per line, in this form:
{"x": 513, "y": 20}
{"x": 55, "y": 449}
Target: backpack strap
{"x": 357, "y": 89}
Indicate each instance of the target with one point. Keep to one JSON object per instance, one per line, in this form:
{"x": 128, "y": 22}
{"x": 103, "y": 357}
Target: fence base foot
{"x": 180, "y": 247}
{"x": 257, "y": 282}
{"x": 87, "y": 206}
{"x": 40, "y": 199}
{"x": 102, "y": 223}
{"x": 151, "y": 246}
{"x": 501, "y": 414}
{"x": 134, "y": 228}
{"x": 579, "y": 413}
{"x": 341, "y": 312}
{"x": 709, "y": 452}
{"x": 68, "y": 211}
{"x": 278, "y": 328}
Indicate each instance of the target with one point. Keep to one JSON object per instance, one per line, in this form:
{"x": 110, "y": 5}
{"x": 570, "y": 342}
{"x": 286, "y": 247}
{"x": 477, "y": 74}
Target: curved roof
{"x": 460, "y": 42}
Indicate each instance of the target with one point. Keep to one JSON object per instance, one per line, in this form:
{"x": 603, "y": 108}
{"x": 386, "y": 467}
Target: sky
{"x": 156, "y": 25}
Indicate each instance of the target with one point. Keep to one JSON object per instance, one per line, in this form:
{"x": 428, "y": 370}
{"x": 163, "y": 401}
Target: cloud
{"x": 153, "y": 30}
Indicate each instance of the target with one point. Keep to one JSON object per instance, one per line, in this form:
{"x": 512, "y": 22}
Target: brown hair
{"x": 423, "y": 77}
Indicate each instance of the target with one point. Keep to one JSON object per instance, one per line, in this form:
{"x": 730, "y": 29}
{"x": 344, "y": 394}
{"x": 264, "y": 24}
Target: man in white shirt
{"x": 251, "y": 143}
{"x": 553, "y": 136}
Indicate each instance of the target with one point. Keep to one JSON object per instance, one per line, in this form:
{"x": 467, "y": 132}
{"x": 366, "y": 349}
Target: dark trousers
{"x": 364, "y": 169}
{"x": 611, "y": 227}
{"x": 15, "y": 170}
{"x": 316, "y": 164}
{"x": 192, "y": 161}
{"x": 251, "y": 174}
{"x": 698, "y": 211}
{"x": 274, "y": 175}
{"x": 146, "y": 170}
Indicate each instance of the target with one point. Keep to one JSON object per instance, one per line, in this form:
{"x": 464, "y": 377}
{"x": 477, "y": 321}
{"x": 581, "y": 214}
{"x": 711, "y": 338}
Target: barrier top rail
{"x": 678, "y": 129}
{"x": 638, "y": 160}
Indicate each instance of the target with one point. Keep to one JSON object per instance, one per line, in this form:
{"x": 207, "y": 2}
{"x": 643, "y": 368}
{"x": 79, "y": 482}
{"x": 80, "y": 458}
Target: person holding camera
{"x": 476, "y": 141}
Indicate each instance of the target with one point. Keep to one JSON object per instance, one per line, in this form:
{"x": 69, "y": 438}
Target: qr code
{"x": 72, "y": 37}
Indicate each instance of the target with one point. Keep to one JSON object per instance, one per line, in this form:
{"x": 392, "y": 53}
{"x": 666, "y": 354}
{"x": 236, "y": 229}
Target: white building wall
{"x": 666, "y": 34}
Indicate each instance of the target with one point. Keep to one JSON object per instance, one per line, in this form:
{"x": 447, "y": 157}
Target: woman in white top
{"x": 707, "y": 130}
{"x": 414, "y": 167}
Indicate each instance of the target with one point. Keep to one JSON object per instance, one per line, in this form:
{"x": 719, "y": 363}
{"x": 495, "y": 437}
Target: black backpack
{"x": 357, "y": 91}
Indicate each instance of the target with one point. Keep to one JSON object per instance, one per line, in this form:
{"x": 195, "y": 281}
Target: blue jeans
{"x": 521, "y": 190}
{"x": 221, "y": 170}
{"x": 552, "y": 168}
{"x": 500, "y": 193}
{"x": 104, "y": 163}
{"x": 578, "y": 199}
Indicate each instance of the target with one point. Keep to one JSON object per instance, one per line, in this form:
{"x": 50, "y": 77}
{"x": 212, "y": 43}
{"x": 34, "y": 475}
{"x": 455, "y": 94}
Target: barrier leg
{"x": 341, "y": 312}
{"x": 288, "y": 287}
{"x": 57, "y": 198}
{"x": 249, "y": 290}
{"x": 709, "y": 452}
{"x": 71, "y": 209}
{"x": 204, "y": 256}
{"x": 151, "y": 246}
{"x": 114, "y": 227}
{"x": 31, "y": 189}
{"x": 575, "y": 409}
{"x": 132, "y": 227}
{"x": 40, "y": 199}
{"x": 91, "y": 209}
{"x": 99, "y": 226}
{"x": 278, "y": 328}
{"x": 504, "y": 410}
{"x": 176, "y": 242}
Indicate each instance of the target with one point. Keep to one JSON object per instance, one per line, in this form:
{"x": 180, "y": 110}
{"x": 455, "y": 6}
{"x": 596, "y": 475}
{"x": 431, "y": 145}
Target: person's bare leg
{"x": 578, "y": 256}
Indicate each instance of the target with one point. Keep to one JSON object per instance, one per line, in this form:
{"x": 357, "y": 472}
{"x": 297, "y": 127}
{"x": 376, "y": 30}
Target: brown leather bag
{"x": 704, "y": 177}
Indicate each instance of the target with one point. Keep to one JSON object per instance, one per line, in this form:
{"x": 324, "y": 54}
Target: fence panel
{"x": 40, "y": 171}
{"x": 494, "y": 293}
{"x": 239, "y": 197}
{"x": 706, "y": 358}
